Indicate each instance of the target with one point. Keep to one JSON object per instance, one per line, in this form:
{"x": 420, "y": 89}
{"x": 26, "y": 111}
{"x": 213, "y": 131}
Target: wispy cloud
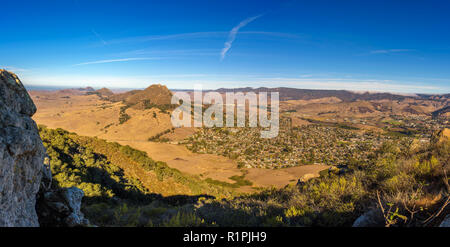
{"x": 233, "y": 33}
{"x": 390, "y": 51}
{"x": 176, "y": 53}
{"x": 275, "y": 34}
{"x": 147, "y": 38}
{"x": 193, "y": 35}
{"x": 99, "y": 37}
{"x": 118, "y": 60}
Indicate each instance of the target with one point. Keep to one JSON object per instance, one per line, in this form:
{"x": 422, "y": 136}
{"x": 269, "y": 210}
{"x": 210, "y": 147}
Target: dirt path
{"x": 281, "y": 177}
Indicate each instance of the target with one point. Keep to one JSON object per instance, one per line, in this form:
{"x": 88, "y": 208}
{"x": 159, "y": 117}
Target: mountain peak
{"x": 154, "y": 94}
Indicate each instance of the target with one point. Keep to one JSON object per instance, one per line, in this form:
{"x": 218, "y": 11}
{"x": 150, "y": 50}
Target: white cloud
{"x": 194, "y": 35}
{"x": 117, "y": 60}
{"x": 140, "y": 39}
{"x": 390, "y": 51}
{"x": 233, "y": 33}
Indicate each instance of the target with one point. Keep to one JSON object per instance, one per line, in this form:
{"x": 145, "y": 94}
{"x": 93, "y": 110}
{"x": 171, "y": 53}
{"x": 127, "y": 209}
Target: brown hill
{"x": 74, "y": 91}
{"x": 153, "y": 95}
{"x": 441, "y": 112}
{"x": 104, "y": 92}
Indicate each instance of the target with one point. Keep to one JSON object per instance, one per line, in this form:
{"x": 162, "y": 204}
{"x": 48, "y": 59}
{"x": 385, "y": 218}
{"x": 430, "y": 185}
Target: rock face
{"x": 61, "y": 207}
{"x": 57, "y": 206}
{"x": 27, "y": 195}
{"x": 445, "y": 222}
{"x": 372, "y": 218}
{"x": 21, "y": 154}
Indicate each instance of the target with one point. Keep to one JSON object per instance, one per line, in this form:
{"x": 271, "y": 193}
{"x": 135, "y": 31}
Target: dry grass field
{"x": 89, "y": 115}
{"x": 94, "y": 116}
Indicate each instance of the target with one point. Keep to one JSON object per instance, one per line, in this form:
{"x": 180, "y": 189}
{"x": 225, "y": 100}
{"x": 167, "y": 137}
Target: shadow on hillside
{"x": 261, "y": 214}
{"x": 125, "y": 192}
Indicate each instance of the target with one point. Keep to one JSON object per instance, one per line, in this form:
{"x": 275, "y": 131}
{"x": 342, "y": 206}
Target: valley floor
{"x": 87, "y": 115}
{"x": 221, "y": 168}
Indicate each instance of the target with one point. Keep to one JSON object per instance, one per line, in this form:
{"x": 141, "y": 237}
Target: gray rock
{"x": 61, "y": 207}
{"x": 372, "y": 218}
{"x": 21, "y": 154}
{"x": 74, "y": 220}
{"x": 46, "y": 181}
{"x": 445, "y": 222}
{"x": 25, "y": 174}
{"x": 73, "y": 197}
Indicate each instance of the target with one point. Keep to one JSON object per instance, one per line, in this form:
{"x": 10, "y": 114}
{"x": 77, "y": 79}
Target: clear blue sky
{"x": 401, "y": 46}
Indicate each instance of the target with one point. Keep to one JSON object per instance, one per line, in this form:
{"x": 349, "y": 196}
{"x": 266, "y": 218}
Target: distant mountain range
{"x": 344, "y": 95}
{"x": 162, "y": 94}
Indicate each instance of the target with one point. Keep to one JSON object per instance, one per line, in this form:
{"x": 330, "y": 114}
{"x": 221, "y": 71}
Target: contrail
{"x": 99, "y": 37}
{"x": 117, "y": 60}
{"x": 232, "y": 35}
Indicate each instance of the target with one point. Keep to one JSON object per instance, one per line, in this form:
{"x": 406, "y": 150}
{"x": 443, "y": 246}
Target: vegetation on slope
{"x": 410, "y": 184}
{"x": 411, "y": 187}
{"x": 122, "y": 185}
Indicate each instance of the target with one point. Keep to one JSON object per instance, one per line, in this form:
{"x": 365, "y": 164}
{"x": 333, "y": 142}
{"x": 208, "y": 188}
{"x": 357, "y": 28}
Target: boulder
{"x": 21, "y": 154}
{"x": 372, "y": 218}
{"x": 61, "y": 207}
{"x": 445, "y": 222}
{"x": 28, "y": 198}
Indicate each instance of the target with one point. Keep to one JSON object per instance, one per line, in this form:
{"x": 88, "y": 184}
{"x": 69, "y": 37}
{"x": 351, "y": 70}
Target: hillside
{"x": 155, "y": 177}
{"x": 394, "y": 188}
{"x": 397, "y": 180}
{"x": 104, "y": 92}
{"x": 114, "y": 177}
{"x": 92, "y": 115}
{"x": 154, "y": 95}
{"x": 443, "y": 111}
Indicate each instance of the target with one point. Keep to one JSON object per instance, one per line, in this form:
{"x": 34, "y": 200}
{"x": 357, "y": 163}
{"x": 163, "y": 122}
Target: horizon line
{"x": 63, "y": 87}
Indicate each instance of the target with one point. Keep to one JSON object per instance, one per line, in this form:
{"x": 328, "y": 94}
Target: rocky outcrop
{"x": 61, "y": 207}
{"x": 445, "y": 222}
{"x": 57, "y": 206}
{"x": 21, "y": 154}
{"x": 372, "y": 218}
{"x": 27, "y": 195}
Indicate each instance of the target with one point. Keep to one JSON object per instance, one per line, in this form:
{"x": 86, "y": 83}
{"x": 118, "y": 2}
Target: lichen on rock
{"x": 21, "y": 154}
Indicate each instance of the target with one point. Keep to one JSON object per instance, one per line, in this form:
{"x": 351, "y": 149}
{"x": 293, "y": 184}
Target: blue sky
{"x": 398, "y": 46}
